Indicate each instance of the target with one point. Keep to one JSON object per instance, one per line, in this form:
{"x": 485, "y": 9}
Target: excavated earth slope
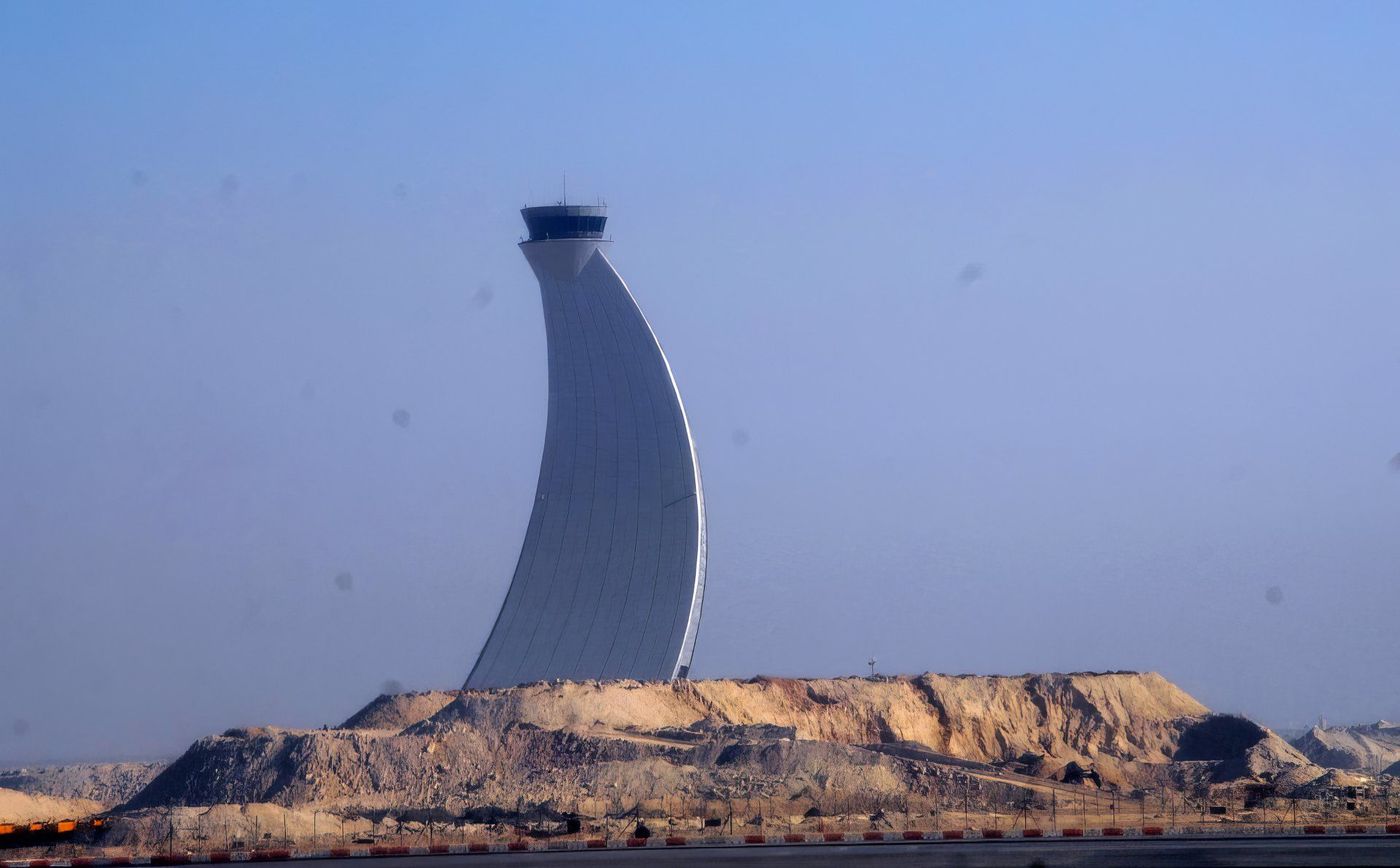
{"x": 20, "y": 807}
{"x": 394, "y": 711}
{"x": 789, "y": 738}
{"x": 105, "y": 783}
{"x": 1371, "y": 748}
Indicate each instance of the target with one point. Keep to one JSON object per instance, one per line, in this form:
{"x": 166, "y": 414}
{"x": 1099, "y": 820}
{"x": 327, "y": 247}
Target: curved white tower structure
{"x": 612, "y": 572}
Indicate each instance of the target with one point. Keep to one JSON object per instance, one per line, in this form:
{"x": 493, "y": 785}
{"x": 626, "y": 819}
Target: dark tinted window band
{"x": 546, "y": 222}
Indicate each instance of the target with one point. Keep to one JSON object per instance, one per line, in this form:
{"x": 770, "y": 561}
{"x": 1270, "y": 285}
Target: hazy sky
{"x": 1015, "y": 338}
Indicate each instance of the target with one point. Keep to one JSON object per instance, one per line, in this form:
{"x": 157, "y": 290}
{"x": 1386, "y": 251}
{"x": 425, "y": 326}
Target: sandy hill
{"x": 17, "y": 807}
{"x": 986, "y": 718}
{"x": 791, "y": 738}
{"x": 105, "y": 783}
{"x": 394, "y": 711}
{"x": 1370, "y": 748}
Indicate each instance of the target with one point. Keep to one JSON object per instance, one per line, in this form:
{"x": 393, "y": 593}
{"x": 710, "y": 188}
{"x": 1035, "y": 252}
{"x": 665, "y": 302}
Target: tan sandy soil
{"x": 17, "y": 807}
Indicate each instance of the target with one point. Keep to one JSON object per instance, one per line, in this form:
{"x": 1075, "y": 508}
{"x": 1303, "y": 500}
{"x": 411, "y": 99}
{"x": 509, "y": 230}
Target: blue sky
{"x": 1016, "y": 337}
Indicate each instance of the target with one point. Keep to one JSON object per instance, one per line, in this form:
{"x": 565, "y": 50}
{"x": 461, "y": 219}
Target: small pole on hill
{"x": 871, "y": 664}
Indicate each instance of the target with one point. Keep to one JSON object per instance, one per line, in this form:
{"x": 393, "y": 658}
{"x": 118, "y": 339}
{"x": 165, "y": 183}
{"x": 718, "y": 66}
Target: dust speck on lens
{"x": 228, "y": 187}
{"x": 402, "y": 418}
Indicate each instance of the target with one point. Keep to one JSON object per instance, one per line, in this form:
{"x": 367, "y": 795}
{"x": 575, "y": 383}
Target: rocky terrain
{"x": 70, "y": 791}
{"x": 105, "y": 783}
{"x": 809, "y": 744}
{"x": 1372, "y": 748}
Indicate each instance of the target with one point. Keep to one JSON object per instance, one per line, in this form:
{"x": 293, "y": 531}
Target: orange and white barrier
{"x": 161, "y": 860}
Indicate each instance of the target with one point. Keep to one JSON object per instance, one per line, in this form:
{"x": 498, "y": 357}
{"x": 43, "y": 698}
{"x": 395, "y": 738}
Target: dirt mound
{"x": 470, "y": 772}
{"x": 1371, "y": 748}
{"x": 1336, "y": 778}
{"x": 108, "y": 783}
{"x": 809, "y": 739}
{"x": 363, "y": 768}
{"x": 1085, "y": 717}
{"x": 17, "y": 807}
{"x": 1241, "y": 748}
{"x": 397, "y": 710}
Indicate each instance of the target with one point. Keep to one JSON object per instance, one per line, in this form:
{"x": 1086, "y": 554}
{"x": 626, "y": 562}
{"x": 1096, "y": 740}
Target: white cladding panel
{"x": 611, "y": 574}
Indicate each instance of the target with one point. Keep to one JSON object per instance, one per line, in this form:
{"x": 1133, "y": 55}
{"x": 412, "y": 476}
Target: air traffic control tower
{"x": 612, "y": 572}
